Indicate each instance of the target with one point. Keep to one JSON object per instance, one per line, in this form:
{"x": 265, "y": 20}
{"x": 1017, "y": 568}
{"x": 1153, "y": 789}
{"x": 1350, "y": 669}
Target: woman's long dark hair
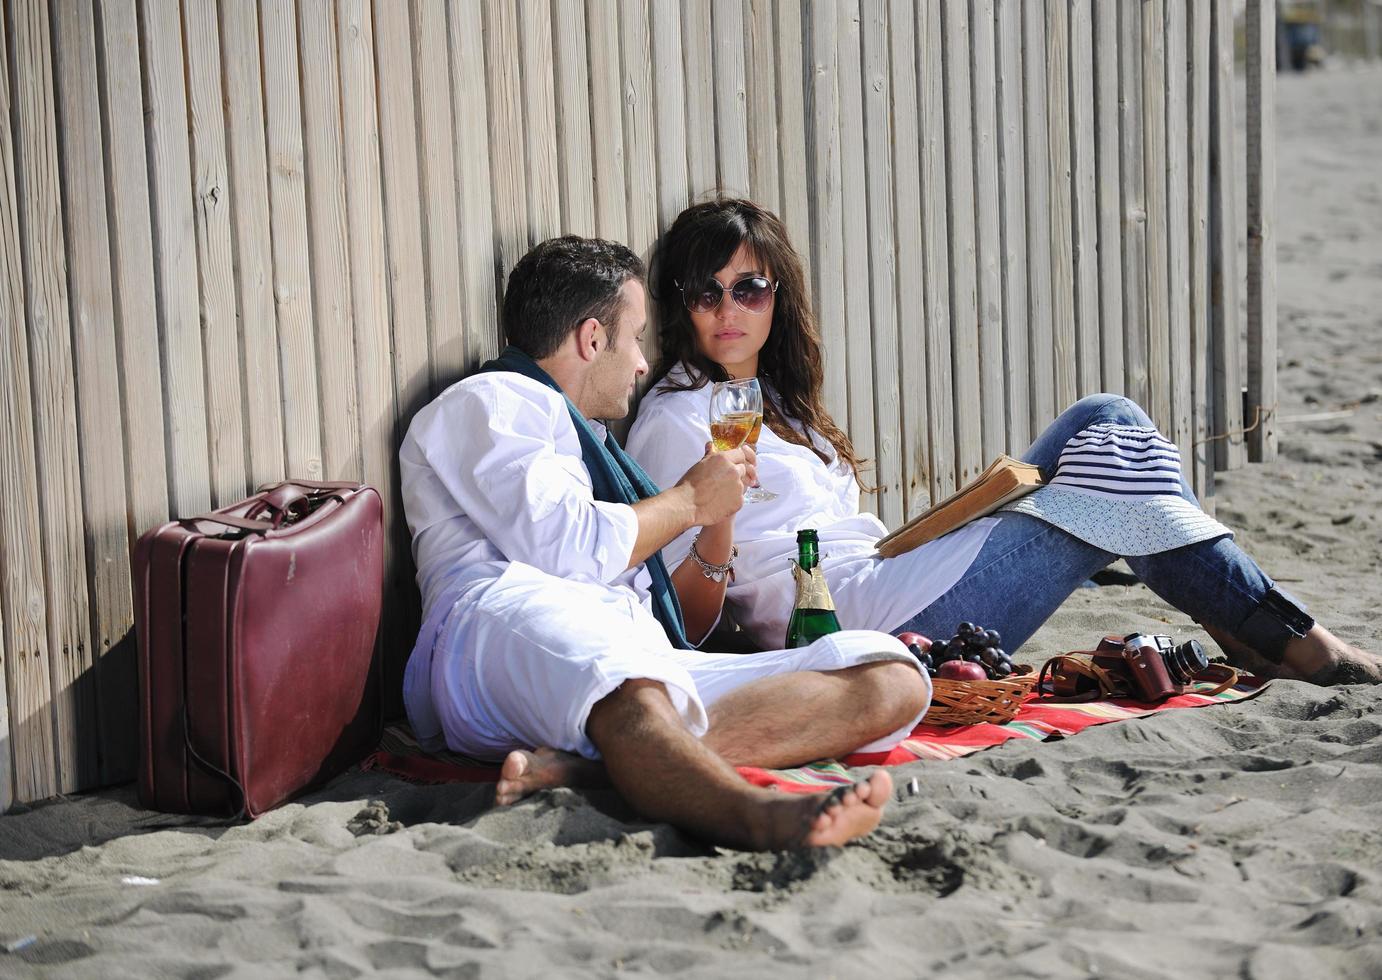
{"x": 702, "y": 239}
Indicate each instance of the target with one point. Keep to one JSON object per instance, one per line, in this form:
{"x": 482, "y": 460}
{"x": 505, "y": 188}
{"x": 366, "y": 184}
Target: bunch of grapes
{"x": 970, "y": 644}
{"x": 977, "y": 646}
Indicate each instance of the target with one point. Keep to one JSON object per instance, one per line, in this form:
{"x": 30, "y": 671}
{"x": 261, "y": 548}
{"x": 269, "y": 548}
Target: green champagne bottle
{"x": 813, "y": 616}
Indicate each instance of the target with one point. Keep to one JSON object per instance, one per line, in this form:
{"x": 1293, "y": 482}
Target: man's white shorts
{"x": 520, "y": 661}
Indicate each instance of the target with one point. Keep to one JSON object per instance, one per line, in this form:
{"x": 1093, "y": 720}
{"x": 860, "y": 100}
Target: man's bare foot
{"x": 825, "y": 819}
{"x": 524, "y": 773}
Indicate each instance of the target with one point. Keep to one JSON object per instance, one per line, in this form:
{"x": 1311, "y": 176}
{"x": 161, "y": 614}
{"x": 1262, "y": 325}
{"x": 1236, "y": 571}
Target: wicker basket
{"x": 955, "y": 702}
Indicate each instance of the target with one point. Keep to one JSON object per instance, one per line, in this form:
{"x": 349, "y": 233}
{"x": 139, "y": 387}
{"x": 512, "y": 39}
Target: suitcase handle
{"x": 289, "y": 502}
{"x": 285, "y": 499}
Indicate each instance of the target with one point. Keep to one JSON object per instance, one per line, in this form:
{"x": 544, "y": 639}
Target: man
{"x": 550, "y": 620}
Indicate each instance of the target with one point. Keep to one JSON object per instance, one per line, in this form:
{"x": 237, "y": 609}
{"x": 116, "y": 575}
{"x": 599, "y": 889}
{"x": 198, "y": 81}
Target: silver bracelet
{"x": 712, "y": 571}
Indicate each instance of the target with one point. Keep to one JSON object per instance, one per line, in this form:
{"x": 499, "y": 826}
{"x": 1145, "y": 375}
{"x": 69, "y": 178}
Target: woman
{"x": 733, "y": 302}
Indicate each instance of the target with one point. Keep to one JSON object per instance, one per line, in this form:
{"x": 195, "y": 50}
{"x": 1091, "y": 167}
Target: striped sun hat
{"x": 1119, "y": 487}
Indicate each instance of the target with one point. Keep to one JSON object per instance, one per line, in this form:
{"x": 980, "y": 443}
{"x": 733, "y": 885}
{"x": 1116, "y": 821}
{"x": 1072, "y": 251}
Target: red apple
{"x": 961, "y": 670}
{"x": 915, "y": 640}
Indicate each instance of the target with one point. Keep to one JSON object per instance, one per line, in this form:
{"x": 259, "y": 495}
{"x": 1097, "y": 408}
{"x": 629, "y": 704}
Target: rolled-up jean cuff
{"x": 1278, "y": 618}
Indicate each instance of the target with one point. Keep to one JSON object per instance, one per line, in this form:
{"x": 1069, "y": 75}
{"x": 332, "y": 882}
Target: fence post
{"x": 1261, "y": 69}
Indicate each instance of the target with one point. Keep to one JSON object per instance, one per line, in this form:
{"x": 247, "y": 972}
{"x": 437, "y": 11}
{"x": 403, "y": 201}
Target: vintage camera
{"x": 1155, "y": 666}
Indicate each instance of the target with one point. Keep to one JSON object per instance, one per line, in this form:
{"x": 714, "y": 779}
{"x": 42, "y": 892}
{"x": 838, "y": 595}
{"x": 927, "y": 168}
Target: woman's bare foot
{"x": 1322, "y": 658}
{"x": 824, "y": 819}
{"x": 1319, "y": 657}
{"x": 524, "y": 773}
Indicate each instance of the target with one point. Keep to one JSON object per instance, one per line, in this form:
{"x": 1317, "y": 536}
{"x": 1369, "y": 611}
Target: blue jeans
{"x": 1027, "y": 567}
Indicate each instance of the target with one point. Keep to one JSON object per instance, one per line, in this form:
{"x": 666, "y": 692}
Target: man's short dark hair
{"x": 562, "y": 283}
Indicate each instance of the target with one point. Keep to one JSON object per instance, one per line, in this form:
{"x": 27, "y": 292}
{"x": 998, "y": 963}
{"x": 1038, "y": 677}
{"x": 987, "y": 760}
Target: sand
{"x": 1240, "y": 840}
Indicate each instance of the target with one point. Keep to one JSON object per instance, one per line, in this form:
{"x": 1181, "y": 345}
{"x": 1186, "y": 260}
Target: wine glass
{"x": 736, "y": 417}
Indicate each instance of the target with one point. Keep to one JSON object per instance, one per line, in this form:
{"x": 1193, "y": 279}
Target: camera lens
{"x": 1185, "y": 661}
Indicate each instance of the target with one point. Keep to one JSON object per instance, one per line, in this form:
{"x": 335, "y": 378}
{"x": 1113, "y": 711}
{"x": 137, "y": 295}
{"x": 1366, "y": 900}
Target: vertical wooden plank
{"x": 988, "y": 238}
{"x": 215, "y": 263}
{"x": 31, "y": 754}
{"x": 369, "y": 304}
{"x": 132, "y": 273}
{"x": 135, "y": 316}
{"x": 639, "y": 140}
{"x": 1133, "y": 183}
{"x": 854, "y": 215}
{"x": 398, "y": 142}
{"x": 641, "y": 166}
{"x": 731, "y": 97}
{"x": 940, "y": 381}
{"x": 1064, "y": 339}
{"x": 1041, "y": 344}
{"x": 908, "y": 269}
{"x": 1154, "y": 163}
{"x": 475, "y": 207}
{"x": 876, "y": 149}
{"x": 508, "y": 163}
{"x": 539, "y": 118}
{"x": 699, "y": 69}
{"x": 669, "y": 93}
{"x": 175, "y": 257}
{"x": 249, "y": 212}
{"x": 1084, "y": 200}
{"x": 607, "y": 121}
{"x": 959, "y": 175}
{"x": 574, "y": 160}
{"x": 327, "y": 229}
{"x": 98, "y": 397}
{"x": 1110, "y": 262}
{"x": 792, "y": 89}
{"x": 288, "y": 229}
{"x": 404, "y": 261}
{"x": 1261, "y": 128}
{"x": 436, "y": 144}
{"x": 60, "y": 511}
{"x": 826, "y": 213}
{"x": 1178, "y": 224}
{"x": 1017, "y": 390}
{"x": 764, "y": 185}
{"x": 1201, "y": 65}
{"x": 1225, "y": 326}
{"x": 6, "y": 742}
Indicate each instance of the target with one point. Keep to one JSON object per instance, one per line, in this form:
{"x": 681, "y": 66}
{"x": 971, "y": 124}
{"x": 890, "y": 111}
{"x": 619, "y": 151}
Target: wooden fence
{"x": 248, "y": 240}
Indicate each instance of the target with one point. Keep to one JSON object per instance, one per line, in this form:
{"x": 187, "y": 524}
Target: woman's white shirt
{"x": 869, "y": 592}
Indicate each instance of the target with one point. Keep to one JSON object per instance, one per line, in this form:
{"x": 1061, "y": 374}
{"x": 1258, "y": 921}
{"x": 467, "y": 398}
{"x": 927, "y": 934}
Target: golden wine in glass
{"x": 736, "y": 417}
{"x": 733, "y": 430}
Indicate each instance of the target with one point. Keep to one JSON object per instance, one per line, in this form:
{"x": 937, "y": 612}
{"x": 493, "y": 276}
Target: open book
{"x": 1005, "y": 479}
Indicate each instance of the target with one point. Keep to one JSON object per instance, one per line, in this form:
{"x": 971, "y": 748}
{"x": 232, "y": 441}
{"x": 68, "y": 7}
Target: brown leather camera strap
{"x": 1062, "y": 672}
{"x": 1226, "y": 675}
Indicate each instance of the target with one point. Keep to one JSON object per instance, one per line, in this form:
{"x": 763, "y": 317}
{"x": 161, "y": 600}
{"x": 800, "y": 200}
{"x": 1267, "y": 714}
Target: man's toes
{"x": 849, "y": 811}
{"x": 842, "y": 797}
{"x": 516, "y": 765}
{"x": 512, "y": 786}
{"x": 877, "y": 789}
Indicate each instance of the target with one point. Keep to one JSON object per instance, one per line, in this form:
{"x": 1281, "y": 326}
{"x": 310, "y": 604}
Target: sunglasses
{"x": 752, "y": 294}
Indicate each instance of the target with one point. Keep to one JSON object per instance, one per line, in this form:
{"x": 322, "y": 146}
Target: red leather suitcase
{"x": 256, "y": 631}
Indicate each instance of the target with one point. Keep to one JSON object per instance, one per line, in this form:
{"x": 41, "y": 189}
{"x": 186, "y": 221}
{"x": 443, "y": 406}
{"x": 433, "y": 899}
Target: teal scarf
{"x": 615, "y": 478}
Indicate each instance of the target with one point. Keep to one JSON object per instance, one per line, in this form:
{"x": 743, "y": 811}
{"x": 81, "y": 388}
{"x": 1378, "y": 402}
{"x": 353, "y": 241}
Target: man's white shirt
{"x": 492, "y": 471}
